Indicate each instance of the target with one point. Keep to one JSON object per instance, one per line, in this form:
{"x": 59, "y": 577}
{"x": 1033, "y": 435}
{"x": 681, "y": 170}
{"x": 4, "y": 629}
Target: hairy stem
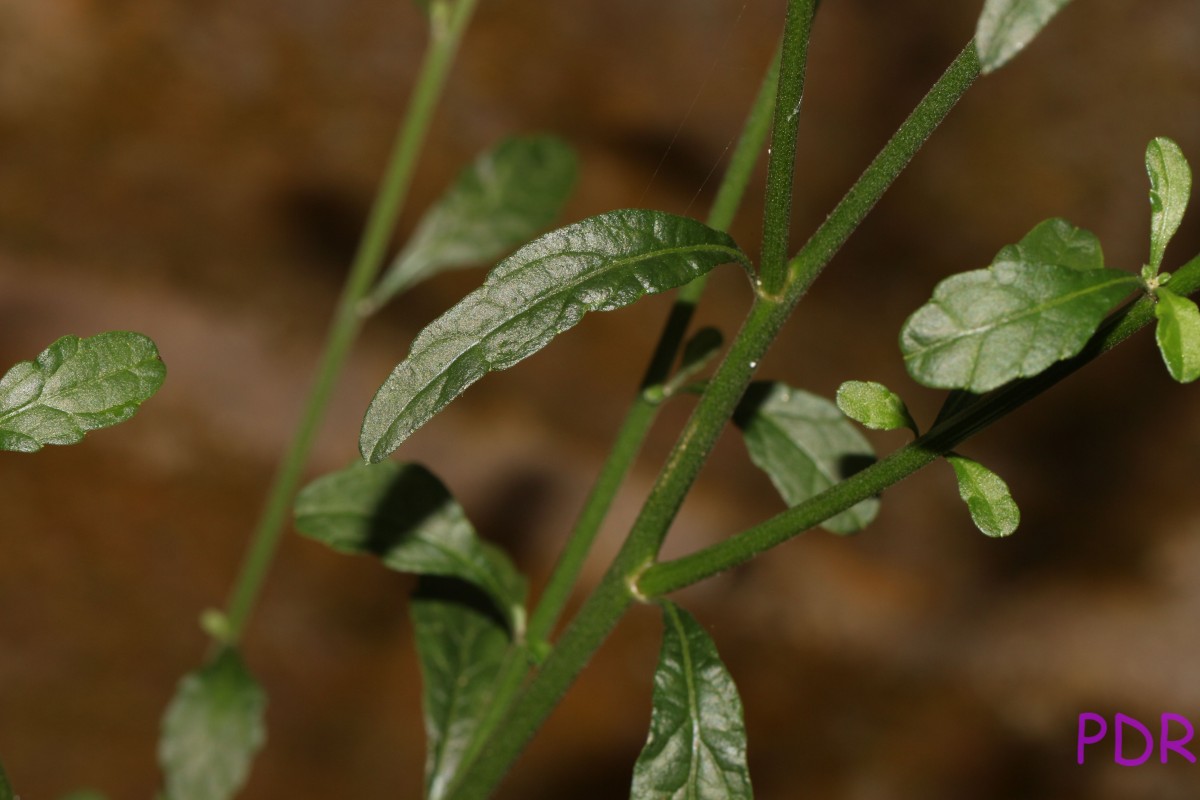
{"x": 447, "y": 30}
{"x": 947, "y": 434}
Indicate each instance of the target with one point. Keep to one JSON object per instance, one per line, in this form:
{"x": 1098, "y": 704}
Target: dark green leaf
{"x": 543, "y": 289}
{"x": 509, "y": 194}
{"x": 874, "y": 405}
{"x": 404, "y": 515}
{"x": 1006, "y": 26}
{"x": 75, "y": 386}
{"x": 6, "y": 790}
{"x": 1059, "y": 243}
{"x": 1170, "y": 190}
{"x": 805, "y": 445}
{"x": 1178, "y": 335}
{"x": 987, "y": 327}
{"x": 697, "y": 744}
{"x": 211, "y": 730}
{"x": 461, "y": 644}
{"x": 987, "y": 497}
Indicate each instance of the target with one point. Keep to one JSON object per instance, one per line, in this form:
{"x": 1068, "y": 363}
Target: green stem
{"x": 447, "y": 27}
{"x": 969, "y": 420}
{"x": 781, "y": 165}
{"x": 6, "y": 791}
{"x": 638, "y": 419}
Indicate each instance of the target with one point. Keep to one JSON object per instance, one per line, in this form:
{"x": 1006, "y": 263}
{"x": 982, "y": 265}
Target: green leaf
{"x": 874, "y": 405}
{"x": 211, "y": 730}
{"x": 987, "y": 327}
{"x": 461, "y": 644}
{"x": 404, "y": 515}
{"x": 75, "y": 386}
{"x": 805, "y": 445}
{"x": 6, "y": 790}
{"x": 1059, "y": 243}
{"x": 509, "y": 194}
{"x": 697, "y": 744}
{"x": 1178, "y": 335}
{"x": 543, "y": 289}
{"x": 1170, "y": 190}
{"x": 1006, "y": 26}
{"x": 987, "y": 497}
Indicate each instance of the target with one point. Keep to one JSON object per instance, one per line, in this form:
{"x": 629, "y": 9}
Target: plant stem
{"x": 446, "y": 32}
{"x": 638, "y": 419}
{"x": 781, "y": 164}
{"x": 972, "y": 418}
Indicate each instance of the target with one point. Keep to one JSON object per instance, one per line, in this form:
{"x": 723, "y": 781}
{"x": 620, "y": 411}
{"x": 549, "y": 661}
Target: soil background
{"x": 200, "y": 172}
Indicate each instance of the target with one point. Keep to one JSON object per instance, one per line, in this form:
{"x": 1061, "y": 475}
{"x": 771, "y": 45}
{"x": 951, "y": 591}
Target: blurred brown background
{"x": 200, "y": 171}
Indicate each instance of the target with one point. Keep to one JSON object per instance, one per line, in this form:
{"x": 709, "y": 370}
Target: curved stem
{"x": 969, "y": 420}
{"x": 447, "y": 30}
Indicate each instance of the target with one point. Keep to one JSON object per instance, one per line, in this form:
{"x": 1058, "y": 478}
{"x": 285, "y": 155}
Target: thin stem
{"x": 781, "y": 164}
{"x": 638, "y": 419}
{"x": 972, "y": 418}
{"x": 446, "y": 32}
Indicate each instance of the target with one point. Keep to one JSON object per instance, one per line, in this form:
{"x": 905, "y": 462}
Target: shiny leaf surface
{"x": 1007, "y": 26}
{"x": 1058, "y": 243}
{"x": 1170, "y": 190}
{"x": 696, "y": 749}
{"x": 543, "y": 289}
{"x": 75, "y": 386}
{"x": 1178, "y": 335}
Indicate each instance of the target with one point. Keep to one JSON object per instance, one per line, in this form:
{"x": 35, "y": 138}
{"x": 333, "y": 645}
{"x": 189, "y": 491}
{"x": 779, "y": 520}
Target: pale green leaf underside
{"x": 987, "y": 497}
{"x": 75, "y": 386}
{"x": 1057, "y": 242}
{"x": 1170, "y": 190}
{"x": 1007, "y": 26}
{"x": 805, "y": 445}
{"x": 1178, "y": 335}
{"x": 873, "y": 405}
{"x": 987, "y": 327}
{"x": 696, "y": 749}
{"x": 461, "y": 647}
{"x": 404, "y": 515}
{"x": 211, "y": 731}
{"x": 545, "y": 288}
{"x": 506, "y": 196}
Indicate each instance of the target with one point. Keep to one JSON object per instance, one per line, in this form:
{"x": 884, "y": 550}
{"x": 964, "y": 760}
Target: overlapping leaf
{"x": 1178, "y": 335}
{"x": 696, "y": 749}
{"x": 987, "y": 327}
{"x": 543, "y": 289}
{"x": 404, "y": 515}
{"x": 805, "y": 445}
{"x": 461, "y": 644}
{"x": 211, "y": 731}
{"x": 507, "y": 195}
{"x": 1170, "y": 190}
{"x": 75, "y": 386}
{"x": 1006, "y": 26}
{"x": 874, "y": 405}
{"x": 987, "y": 497}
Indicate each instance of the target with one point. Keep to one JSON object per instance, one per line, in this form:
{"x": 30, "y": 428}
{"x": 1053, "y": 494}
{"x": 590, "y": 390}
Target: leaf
{"x": 211, "y": 730}
{"x": 1170, "y": 190}
{"x": 404, "y": 515}
{"x": 461, "y": 644}
{"x": 599, "y": 264}
{"x": 82, "y": 795}
{"x": 6, "y": 790}
{"x": 1006, "y": 26}
{"x": 75, "y": 386}
{"x": 697, "y": 744}
{"x": 805, "y": 445}
{"x": 1178, "y": 335}
{"x": 1059, "y": 243}
{"x": 987, "y": 327}
{"x": 506, "y": 196}
{"x": 987, "y": 497}
{"x": 874, "y": 405}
